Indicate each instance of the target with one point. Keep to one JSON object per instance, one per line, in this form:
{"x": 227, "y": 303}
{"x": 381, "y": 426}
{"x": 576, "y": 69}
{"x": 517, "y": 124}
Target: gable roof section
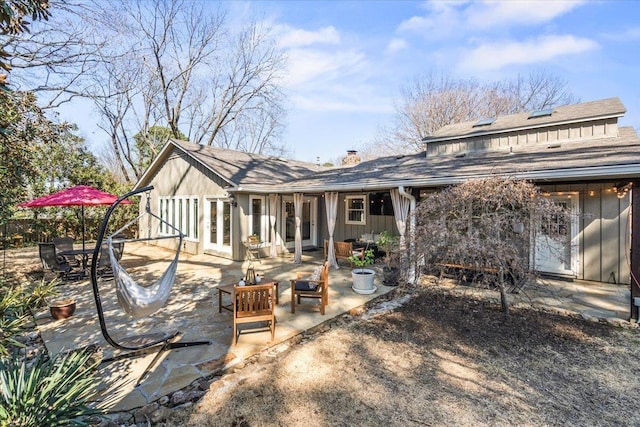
{"x": 605, "y": 108}
{"x": 237, "y": 168}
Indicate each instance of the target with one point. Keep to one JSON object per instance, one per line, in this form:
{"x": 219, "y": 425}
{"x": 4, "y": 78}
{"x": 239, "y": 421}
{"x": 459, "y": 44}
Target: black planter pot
{"x": 390, "y": 276}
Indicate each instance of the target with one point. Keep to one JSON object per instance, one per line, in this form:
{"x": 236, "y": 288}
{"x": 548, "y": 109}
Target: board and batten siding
{"x": 180, "y": 175}
{"x": 552, "y": 134}
{"x": 604, "y": 231}
{"x": 374, "y": 223}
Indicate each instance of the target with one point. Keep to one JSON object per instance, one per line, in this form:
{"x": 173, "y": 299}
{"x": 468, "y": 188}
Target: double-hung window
{"x": 355, "y": 210}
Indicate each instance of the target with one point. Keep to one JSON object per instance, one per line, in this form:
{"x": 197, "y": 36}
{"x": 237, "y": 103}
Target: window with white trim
{"x": 181, "y": 212}
{"x": 355, "y": 212}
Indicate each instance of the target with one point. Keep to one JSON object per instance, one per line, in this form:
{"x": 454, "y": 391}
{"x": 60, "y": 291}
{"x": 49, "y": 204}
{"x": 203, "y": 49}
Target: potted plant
{"x": 363, "y": 277}
{"x": 389, "y": 244}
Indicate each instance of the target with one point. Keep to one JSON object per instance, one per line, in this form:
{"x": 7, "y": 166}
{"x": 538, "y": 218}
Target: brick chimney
{"x": 351, "y": 159}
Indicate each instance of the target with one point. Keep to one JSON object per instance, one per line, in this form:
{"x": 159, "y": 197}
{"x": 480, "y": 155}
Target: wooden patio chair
{"x": 310, "y": 285}
{"x": 252, "y": 304}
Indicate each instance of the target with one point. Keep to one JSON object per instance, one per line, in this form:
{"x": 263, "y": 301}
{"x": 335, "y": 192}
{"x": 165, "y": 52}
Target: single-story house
{"x": 576, "y": 154}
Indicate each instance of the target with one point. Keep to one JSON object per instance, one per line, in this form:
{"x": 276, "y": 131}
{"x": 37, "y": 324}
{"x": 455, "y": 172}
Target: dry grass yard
{"x": 440, "y": 359}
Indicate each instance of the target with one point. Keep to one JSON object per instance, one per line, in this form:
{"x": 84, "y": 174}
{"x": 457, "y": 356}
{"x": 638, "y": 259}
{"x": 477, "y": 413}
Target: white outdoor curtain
{"x": 273, "y": 208}
{"x": 331, "y": 205}
{"x": 297, "y": 207}
{"x": 401, "y": 210}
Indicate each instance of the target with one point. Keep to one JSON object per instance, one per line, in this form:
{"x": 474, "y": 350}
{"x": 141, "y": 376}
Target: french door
{"x": 309, "y": 226}
{"x": 218, "y": 225}
{"x": 559, "y": 254}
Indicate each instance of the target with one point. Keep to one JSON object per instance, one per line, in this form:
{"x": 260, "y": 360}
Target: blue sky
{"x": 348, "y": 60}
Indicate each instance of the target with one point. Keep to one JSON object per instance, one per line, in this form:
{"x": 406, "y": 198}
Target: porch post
{"x": 635, "y": 247}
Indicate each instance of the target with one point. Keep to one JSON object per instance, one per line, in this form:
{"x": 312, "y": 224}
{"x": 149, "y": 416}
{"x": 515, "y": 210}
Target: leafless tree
{"x": 433, "y": 101}
{"x": 53, "y": 58}
{"x": 483, "y": 230}
{"x": 179, "y": 64}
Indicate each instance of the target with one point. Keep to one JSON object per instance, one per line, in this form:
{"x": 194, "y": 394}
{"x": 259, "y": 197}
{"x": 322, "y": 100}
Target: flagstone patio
{"x": 192, "y": 309}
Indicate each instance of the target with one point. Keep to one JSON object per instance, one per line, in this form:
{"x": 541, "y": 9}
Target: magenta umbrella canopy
{"x": 81, "y": 195}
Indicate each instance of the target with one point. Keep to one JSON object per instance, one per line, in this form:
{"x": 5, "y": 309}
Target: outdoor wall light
{"x": 622, "y": 189}
{"x": 232, "y": 200}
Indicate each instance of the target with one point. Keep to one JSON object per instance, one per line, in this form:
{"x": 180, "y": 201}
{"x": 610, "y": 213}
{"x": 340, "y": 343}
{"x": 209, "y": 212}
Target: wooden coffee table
{"x": 228, "y": 290}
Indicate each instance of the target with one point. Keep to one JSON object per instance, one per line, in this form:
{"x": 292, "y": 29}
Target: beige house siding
{"x": 604, "y": 232}
{"x": 375, "y": 223}
{"x": 180, "y": 175}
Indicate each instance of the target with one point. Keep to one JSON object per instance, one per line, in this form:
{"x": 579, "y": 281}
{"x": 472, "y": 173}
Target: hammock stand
{"x": 138, "y": 344}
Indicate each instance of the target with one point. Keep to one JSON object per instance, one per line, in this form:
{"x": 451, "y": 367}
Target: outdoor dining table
{"x": 229, "y": 290}
{"x": 79, "y": 252}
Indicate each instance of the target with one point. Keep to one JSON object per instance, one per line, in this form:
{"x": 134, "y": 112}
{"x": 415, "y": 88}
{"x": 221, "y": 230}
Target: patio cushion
{"x": 315, "y": 276}
{"x": 304, "y": 285}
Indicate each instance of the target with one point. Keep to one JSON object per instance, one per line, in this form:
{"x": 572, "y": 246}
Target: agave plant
{"x": 13, "y": 318}
{"x": 56, "y": 392}
{"x": 43, "y": 291}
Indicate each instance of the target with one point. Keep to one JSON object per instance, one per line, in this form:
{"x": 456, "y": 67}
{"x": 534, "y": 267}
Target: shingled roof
{"x": 243, "y": 168}
{"x": 238, "y": 168}
{"x": 595, "y": 159}
{"x": 602, "y": 158}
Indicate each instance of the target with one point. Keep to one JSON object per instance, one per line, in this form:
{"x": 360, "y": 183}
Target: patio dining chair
{"x": 104, "y": 269}
{"x": 66, "y": 244}
{"x": 313, "y": 285}
{"x": 253, "y": 304}
{"x": 52, "y": 262}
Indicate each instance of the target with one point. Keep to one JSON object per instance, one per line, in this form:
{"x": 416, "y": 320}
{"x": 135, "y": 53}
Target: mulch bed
{"x": 439, "y": 359}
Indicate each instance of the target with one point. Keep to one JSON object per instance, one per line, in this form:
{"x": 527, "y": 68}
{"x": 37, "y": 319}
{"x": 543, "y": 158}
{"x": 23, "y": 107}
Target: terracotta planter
{"x": 62, "y": 309}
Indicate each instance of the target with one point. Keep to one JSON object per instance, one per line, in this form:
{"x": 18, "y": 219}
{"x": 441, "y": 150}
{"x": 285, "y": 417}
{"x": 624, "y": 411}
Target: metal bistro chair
{"x": 253, "y": 245}
{"x": 104, "y": 269}
{"x": 52, "y": 262}
{"x": 66, "y": 244}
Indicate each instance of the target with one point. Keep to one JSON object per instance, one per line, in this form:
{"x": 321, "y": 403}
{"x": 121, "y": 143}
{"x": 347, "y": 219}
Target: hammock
{"x": 135, "y": 299}
{"x": 140, "y": 301}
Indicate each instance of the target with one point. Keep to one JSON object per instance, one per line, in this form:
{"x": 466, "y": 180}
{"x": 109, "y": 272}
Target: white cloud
{"x": 541, "y": 49}
{"x": 307, "y": 65}
{"x": 296, "y": 37}
{"x": 624, "y": 35}
{"x": 489, "y": 14}
{"x": 396, "y": 45}
{"x": 443, "y": 19}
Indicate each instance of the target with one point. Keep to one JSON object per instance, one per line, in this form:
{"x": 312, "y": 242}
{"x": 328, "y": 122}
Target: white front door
{"x": 309, "y": 227}
{"x": 218, "y": 225}
{"x": 559, "y": 255}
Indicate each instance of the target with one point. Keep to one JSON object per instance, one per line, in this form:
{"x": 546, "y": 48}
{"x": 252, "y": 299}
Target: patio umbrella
{"x": 81, "y": 195}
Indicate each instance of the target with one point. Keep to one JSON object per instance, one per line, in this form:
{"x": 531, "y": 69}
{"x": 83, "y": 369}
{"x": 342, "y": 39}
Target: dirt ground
{"x": 439, "y": 359}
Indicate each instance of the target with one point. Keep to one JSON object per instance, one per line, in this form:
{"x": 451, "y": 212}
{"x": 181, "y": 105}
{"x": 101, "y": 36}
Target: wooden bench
{"x": 469, "y": 267}
{"x": 344, "y": 250}
{"x": 507, "y": 277}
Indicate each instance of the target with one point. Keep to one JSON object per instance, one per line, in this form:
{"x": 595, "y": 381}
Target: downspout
{"x": 412, "y": 226}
